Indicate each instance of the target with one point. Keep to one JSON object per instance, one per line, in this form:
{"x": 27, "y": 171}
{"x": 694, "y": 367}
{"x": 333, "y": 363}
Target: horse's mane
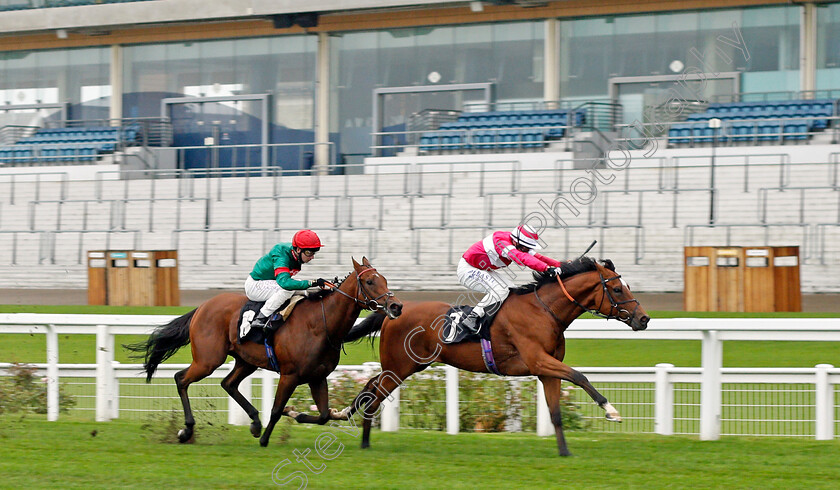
{"x": 569, "y": 269}
{"x": 326, "y": 292}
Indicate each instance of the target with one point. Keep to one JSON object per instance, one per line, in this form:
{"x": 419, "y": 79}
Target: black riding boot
{"x": 493, "y": 308}
{"x": 259, "y": 321}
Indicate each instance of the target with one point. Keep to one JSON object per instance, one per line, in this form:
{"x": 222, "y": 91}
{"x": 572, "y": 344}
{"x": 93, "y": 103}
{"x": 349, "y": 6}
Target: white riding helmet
{"x": 527, "y": 236}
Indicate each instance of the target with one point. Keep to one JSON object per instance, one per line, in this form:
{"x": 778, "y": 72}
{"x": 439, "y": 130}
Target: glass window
{"x": 828, "y": 48}
{"x": 510, "y": 55}
{"x": 594, "y": 50}
{"x": 283, "y": 66}
{"x": 78, "y": 76}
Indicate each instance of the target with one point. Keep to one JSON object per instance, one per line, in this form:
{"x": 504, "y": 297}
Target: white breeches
{"x": 495, "y": 286}
{"x": 268, "y": 291}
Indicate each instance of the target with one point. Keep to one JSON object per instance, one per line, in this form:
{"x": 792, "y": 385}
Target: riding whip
{"x": 588, "y": 249}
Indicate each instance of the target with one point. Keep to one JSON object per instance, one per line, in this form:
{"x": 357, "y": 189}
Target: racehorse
{"x": 527, "y": 337}
{"x": 307, "y": 345}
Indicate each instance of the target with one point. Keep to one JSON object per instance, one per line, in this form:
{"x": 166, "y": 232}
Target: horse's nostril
{"x": 644, "y": 320}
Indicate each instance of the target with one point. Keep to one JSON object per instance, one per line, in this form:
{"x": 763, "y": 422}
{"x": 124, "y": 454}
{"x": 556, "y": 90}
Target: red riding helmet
{"x": 306, "y": 239}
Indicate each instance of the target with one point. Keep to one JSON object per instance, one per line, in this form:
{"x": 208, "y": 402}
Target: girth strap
{"x": 487, "y": 356}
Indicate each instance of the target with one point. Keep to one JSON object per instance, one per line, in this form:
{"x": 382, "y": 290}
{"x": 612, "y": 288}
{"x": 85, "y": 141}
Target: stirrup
{"x": 259, "y": 322}
{"x": 470, "y": 323}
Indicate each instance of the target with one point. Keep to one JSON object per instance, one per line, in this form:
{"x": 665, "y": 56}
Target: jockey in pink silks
{"x": 477, "y": 267}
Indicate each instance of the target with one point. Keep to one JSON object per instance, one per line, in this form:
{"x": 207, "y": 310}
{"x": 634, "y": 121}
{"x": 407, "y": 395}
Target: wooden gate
{"x": 133, "y": 278}
{"x": 742, "y": 279}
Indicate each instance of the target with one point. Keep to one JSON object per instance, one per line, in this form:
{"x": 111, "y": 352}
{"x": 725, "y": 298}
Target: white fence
{"x": 709, "y": 400}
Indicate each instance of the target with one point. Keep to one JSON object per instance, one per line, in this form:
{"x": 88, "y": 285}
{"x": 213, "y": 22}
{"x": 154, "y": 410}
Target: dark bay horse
{"x": 527, "y": 337}
{"x": 307, "y": 345}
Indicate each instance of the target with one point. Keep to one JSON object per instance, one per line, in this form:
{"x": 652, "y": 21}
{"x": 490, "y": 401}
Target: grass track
{"x": 39, "y": 454}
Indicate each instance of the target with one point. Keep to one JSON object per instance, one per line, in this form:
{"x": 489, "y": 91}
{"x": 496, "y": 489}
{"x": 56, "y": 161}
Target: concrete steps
{"x": 408, "y": 245}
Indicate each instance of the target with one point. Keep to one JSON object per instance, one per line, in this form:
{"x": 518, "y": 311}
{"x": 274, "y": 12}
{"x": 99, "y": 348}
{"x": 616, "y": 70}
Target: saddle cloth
{"x": 453, "y": 335}
{"x": 251, "y": 309}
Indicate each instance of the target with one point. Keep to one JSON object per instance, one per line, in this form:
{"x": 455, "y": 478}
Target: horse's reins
{"x": 614, "y": 305}
{"x": 326, "y": 329}
{"x": 365, "y": 304}
{"x": 369, "y": 303}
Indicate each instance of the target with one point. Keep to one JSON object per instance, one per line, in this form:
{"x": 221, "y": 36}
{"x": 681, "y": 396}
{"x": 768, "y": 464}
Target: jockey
{"x": 477, "y": 267}
{"x": 271, "y": 280}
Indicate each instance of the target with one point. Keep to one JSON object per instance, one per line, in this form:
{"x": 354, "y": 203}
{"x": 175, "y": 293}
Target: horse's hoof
{"x": 612, "y": 414}
{"x": 365, "y": 444}
{"x": 566, "y": 454}
{"x": 256, "y": 429}
{"x": 336, "y": 415}
{"x": 184, "y": 435}
{"x": 263, "y": 443}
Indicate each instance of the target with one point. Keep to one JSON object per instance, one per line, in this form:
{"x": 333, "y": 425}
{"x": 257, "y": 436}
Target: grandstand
{"x": 407, "y": 130}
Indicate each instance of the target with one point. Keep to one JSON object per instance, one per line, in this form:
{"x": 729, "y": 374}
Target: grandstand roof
{"x": 102, "y": 20}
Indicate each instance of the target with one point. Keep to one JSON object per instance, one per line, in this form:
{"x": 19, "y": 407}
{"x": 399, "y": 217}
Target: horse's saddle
{"x": 454, "y": 332}
{"x": 250, "y": 311}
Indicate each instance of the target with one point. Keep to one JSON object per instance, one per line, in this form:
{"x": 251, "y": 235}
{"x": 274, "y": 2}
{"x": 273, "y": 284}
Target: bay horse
{"x": 307, "y": 345}
{"x": 527, "y": 337}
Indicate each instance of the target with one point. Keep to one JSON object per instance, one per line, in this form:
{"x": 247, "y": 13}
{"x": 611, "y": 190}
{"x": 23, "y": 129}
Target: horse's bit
{"x": 622, "y": 314}
{"x": 368, "y": 303}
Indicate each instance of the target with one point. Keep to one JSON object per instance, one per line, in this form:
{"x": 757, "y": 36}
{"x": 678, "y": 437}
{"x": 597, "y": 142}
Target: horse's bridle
{"x": 617, "y": 310}
{"x": 369, "y": 303}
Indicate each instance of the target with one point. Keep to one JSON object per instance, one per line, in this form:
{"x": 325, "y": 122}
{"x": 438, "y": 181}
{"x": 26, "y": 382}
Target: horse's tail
{"x": 162, "y": 343}
{"x": 368, "y": 326}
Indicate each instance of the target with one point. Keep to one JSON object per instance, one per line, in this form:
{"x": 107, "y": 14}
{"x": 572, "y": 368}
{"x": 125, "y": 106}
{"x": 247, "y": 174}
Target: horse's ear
{"x": 366, "y": 262}
{"x": 608, "y": 264}
{"x": 355, "y": 264}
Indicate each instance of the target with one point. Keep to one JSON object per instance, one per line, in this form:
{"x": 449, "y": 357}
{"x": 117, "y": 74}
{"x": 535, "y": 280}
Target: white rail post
{"x": 236, "y": 415}
{"x": 115, "y": 388}
{"x": 267, "y": 394}
{"x": 544, "y": 425}
{"x": 710, "y": 386}
{"x": 52, "y": 373}
{"x": 104, "y": 374}
{"x": 664, "y": 407}
{"x": 825, "y": 404}
{"x": 390, "y": 421}
{"x": 453, "y": 421}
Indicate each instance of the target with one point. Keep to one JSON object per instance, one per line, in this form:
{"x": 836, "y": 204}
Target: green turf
{"x": 66, "y": 454}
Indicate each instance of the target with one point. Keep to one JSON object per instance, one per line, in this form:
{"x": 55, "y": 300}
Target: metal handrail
{"x": 467, "y": 134}
{"x": 723, "y": 136}
{"x": 834, "y": 169}
{"x": 819, "y": 239}
{"x": 266, "y": 243}
{"x": 11, "y": 133}
{"x": 121, "y": 212}
{"x": 416, "y": 240}
{"x": 763, "y": 96}
{"x": 179, "y": 151}
{"x": 784, "y": 164}
{"x": 50, "y": 238}
{"x": 14, "y": 183}
{"x": 156, "y": 131}
{"x": 246, "y": 207}
{"x": 417, "y": 170}
{"x": 688, "y": 239}
{"x": 488, "y": 203}
{"x": 641, "y": 193}
{"x": 535, "y": 105}
{"x": 762, "y": 199}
